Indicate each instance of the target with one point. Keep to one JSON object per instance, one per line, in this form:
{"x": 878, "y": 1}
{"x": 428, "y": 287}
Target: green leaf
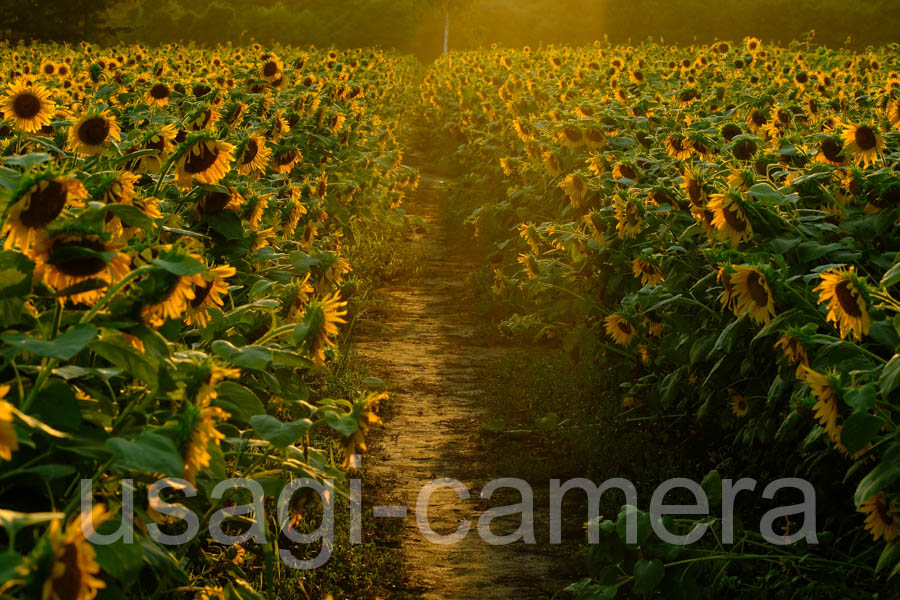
{"x": 647, "y": 575}
{"x": 122, "y": 561}
{"x": 15, "y": 274}
{"x": 131, "y": 216}
{"x": 26, "y": 161}
{"x": 644, "y": 529}
{"x": 226, "y": 223}
{"x": 248, "y": 357}
{"x": 182, "y": 265}
{"x": 889, "y": 556}
{"x": 373, "y": 382}
{"x": 12, "y": 566}
{"x": 346, "y": 425}
{"x": 712, "y": 485}
{"x": 130, "y": 361}
{"x": 279, "y": 434}
{"x": 764, "y": 191}
{"x": 63, "y": 347}
{"x": 861, "y": 398}
{"x": 891, "y": 277}
{"x": 547, "y": 422}
{"x": 303, "y": 262}
{"x": 882, "y": 476}
{"x": 890, "y": 377}
{"x": 495, "y": 426}
{"x": 150, "y": 452}
{"x": 56, "y": 405}
{"x": 860, "y": 429}
{"x": 239, "y": 401}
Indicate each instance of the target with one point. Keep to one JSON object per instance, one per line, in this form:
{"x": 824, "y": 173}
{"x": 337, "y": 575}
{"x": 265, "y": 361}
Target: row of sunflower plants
{"x": 178, "y": 226}
{"x": 721, "y": 222}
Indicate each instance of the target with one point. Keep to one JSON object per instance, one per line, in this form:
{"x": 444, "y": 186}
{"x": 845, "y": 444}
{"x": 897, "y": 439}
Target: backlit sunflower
{"x": 628, "y": 217}
{"x": 271, "y": 69}
{"x": 824, "y": 388}
{"x": 619, "y": 328}
{"x": 162, "y": 141}
{"x": 253, "y": 155}
{"x": 863, "y": 142}
{"x": 322, "y": 317}
{"x": 74, "y": 572}
{"x": 208, "y": 295}
{"x": 204, "y": 161}
{"x": 730, "y": 217}
{"x": 625, "y": 171}
{"x": 366, "y": 414}
{"x": 692, "y": 186}
{"x": 882, "y": 517}
{"x": 649, "y": 273}
{"x": 93, "y": 132}
{"x": 893, "y": 113}
{"x": 752, "y": 293}
{"x": 9, "y": 441}
{"x": 158, "y": 95}
{"x": 36, "y": 206}
{"x": 574, "y": 187}
{"x": 286, "y": 159}
{"x": 845, "y": 295}
{"x": 174, "y": 298}
{"x": 678, "y": 146}
{"x": 65, "y": 260}
{"x": 28, "y": 108}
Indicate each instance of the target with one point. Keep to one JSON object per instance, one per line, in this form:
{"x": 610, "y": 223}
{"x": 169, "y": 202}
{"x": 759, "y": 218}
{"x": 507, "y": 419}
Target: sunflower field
{"x": 181, "y": 229}
{"x": 720, "y": 223}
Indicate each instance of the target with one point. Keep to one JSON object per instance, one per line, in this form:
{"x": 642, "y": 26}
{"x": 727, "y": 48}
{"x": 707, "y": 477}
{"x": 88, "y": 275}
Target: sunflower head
{"x": 846, "y": 296}
{"x": 93, "y": 132}
{"x": 27, "y": 108}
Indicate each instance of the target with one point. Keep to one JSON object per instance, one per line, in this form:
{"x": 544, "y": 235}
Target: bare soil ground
{"x": 437, "y": 370}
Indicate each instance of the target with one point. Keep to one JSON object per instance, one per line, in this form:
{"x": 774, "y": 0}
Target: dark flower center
{"x": 79, "y": 264}
{"x": 201, "y": 292}
{"x": 846, "y": 299}
{"x": 159, "y": 91}
{"x": 45, "y": 205}
{"x": 627, "y": 172}
{"x": 624, "y": 327}
{"x": 270, "y": 68}
{"x": 744, "y": 149}
{"x": 734, "y": 220}
{"x": 251, "y": 149}
{"x": 831, "y": 150}
{"x": 93, "y": 131}
{"x": 200, "y": 162}
{"x": 865, "y": 138}
{"x": 757, "y": 290}
{"x": 26, "y": 105}
{"x": 212, "y": 203}
{"x": 69, "y": 583}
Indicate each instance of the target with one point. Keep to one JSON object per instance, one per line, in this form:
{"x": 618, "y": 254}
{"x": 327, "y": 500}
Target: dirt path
{"x": 437, "y": 371}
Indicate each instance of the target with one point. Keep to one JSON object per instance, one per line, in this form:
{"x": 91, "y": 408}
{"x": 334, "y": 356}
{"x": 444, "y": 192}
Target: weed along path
{"x": 437, "y": 372}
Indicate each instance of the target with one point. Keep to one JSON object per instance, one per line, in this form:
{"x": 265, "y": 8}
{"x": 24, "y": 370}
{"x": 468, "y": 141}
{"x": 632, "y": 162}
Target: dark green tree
{"x": 53, "y": 20}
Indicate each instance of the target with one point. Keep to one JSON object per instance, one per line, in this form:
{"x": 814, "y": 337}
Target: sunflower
{"x": 208, "y": 295}
{"x": 619, "y": 328}
{"x": 893, "y": 113}
{"x": 678, "y": 147}
{"x": 257, "y": 206}
{"x": 574, "y": 186}
{"x": 322, "y": 317}
{"x": 9, "y": 441}
{"x": 753, "y": 45}
{"x": 158, "y": 95}
{"x": 882, "y": 517}
{"x": 730, "y": 217}
{"x": 845, "y": 294}
{"x": 38, "y": 205}
{"x": 571, "y": 137}
{"x": 201, "y": 418}
{"x": 625, "y": 171}
{"x": 28, "y": 108}
{"x": 204, "y": 161}
{"x": 739, "y": 405}
{"x": 794, "y": 350}
{"x": 752, "y": 293}
{"x": 163, "y": 142}
{"x": 253, "y": 155}
{"x": 66, "y": 260}
{"x": 830, "y": 152}
{"x": 175, "y": 298}
{"x": 757, "y": 121}
{"x": 824, "y": 388}
{"x": 628, "y": 217}
{"x": 594, "y": 138}
{"x": 286, "y": 159}
{"x": 649, "y": 273}
{"x": 212, "y": 202}
{"x": 692, "y": 186}
{"x": 862, "y": 142}
{"x": 271, "y": 69}
{"x": 93, "y": 132}
{"x": 366, "y": 416}
{"x": 74, "y": 572}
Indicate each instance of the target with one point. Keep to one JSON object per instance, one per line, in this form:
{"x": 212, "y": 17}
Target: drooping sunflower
{"x": 212, "y": 202}
{"x": 571, "y": 137}
{"x": 256, "y": 206}
{"x": 863, "y": 142}
{"x": 9, "y": 441}
{"x": 678, "y": 146}
{"x": 366, "y": 416}
{"x": 893, "y": 113}
{"x": 200, "y": 419}
{"x": 623, "y": 170}
{"x": 208, "y": 295}
{"x": 882, "y": 517}
{"x": 286, "y": 159}
{"x": 752, "y": 293}
{"x": 692, "y": 185}
{"x": 323, "y": 316}
{"x": 93, "y": 132}
{"x": 830, "y": 152}
{"x": 66, "y": 260}
{"x": 845, "y": 294}
{"x": 172, "y": 296}
{"x": 730, "y": 217}
{"x": 824, "y": 387}
{"x": 649, "y": 273}
{"x": 204, "y": 161}
{"x": 37, "y": 204}
{"x": 794, "y": 350}
{"x": 574, "y": 187}
{"x": 628, "y": 217}
{"x": 28, "y": 108}
{"x": 74, "y": 572}
{"x": 619, "y": 328}
{"x": 253, "y": 155}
